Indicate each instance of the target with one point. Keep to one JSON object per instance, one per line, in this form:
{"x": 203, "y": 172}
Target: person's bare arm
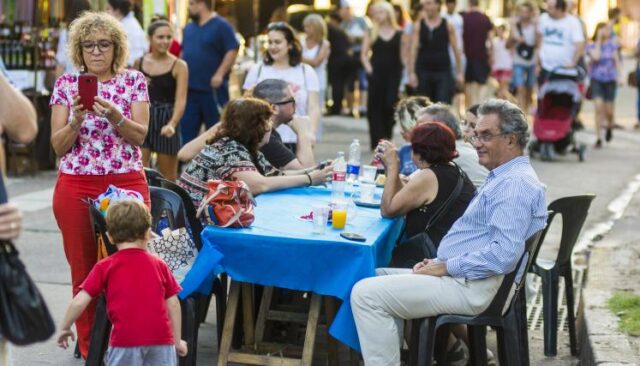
{"x": 325, "y": 50}
{"x": 17, "y": 115}
{"x": 175, "y": 317}
{"x": 301, "y": 125}
{"x": 133, "y": 129}
{"x": 193, "y": 147}
{"x": 75, "y": 309}
{"x": 63, "y": 134}
{"x": 258, "y": 183}
{"x": 453, "y": 41}
{"x": 413, "y": 53}
{"x": 181, "y": 74}
{"x": 364, "y": 53}
{"x": 225, "y": 66}
{"x": 580, "y": 47}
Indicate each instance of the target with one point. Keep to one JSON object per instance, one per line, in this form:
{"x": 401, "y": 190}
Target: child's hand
{"x": 63, "y": 338}
{"x": 181, "y": 348}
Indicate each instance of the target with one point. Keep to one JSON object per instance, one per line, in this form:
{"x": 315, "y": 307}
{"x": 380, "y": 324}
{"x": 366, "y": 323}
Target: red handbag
{"x": 228, "y": 204}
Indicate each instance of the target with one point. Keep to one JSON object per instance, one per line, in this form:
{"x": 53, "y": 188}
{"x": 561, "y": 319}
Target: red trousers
{"x": 72, "y": 215}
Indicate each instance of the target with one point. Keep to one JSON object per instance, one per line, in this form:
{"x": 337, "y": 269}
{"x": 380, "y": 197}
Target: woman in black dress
{"x": 382, "y": 60}
{"x": 167, "y": 78}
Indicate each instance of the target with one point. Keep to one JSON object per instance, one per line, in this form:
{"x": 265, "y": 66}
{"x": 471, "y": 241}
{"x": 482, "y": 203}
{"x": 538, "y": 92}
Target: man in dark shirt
{"x": 477, "y": 49}
{"x": 210, "y": 48}
{"x": 278, "y": 93}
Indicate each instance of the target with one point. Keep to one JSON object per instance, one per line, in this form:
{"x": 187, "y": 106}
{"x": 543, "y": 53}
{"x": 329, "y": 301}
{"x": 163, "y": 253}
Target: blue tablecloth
{"x": 280, "y": 250}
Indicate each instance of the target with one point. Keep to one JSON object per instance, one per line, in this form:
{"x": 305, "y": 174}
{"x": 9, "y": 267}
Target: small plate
{"x": 367, "y": 204}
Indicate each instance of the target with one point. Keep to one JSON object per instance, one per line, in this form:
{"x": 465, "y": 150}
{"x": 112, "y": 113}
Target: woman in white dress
{"x": 315, "y": 52}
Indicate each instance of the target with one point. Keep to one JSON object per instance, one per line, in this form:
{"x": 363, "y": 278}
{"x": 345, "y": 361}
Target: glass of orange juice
{"x": 339, "y": 215}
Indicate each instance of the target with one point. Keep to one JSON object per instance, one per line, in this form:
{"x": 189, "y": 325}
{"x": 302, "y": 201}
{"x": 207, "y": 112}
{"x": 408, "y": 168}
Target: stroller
{"x": 555, "y": 122}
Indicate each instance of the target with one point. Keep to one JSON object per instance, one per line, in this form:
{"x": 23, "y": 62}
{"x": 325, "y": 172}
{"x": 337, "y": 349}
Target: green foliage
{"x": 627, "y": 306}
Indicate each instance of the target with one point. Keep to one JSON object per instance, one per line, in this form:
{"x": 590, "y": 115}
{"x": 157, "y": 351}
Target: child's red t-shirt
{"x": 136, "y": 285}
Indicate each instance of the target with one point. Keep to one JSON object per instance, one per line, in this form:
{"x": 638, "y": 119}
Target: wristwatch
{"x": 120, "y": 122}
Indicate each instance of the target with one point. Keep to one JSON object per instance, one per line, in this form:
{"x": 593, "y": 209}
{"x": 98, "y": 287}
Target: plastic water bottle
{"x": 353, "y": 166}
{"x": 339, "y": 179}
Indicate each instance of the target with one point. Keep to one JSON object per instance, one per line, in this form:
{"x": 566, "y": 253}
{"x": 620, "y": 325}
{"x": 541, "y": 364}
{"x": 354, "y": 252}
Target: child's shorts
{"x": 142, "y": 356}
{"x": 501, "y": 75}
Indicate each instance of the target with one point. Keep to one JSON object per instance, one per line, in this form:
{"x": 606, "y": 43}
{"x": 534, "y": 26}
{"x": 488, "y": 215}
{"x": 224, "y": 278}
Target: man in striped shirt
{"x": 482, "y": 246}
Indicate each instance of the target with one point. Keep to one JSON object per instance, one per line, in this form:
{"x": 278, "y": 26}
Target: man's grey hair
{"x": 441, "y": 112}
{"x": 271, "y": 90}
{"x": 512, "y": 119}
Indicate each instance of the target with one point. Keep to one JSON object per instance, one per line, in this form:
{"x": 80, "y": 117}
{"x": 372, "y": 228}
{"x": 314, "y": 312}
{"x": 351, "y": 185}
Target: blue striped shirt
{"x": 488, "y": 239}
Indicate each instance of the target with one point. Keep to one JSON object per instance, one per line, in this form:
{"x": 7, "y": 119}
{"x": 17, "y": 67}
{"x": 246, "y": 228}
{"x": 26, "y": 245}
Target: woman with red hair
{"x": 433, "y": 148}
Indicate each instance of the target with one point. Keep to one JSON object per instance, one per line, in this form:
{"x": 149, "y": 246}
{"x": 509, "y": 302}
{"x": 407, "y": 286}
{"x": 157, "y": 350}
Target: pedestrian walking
{"x": 502, "y": 66}
{"x": 315, "y": 53}
{"x": 99, "y": 146}
{"x": 477, "y": 48}
{"x": 560, "y": 41}
{"x": 382, "y": 59}
{"x": 167, "y": 78}
{"x": 283, "y": 60}
{"x": 430, "y": 65}
{"x": 523, "y": 39}
{"x": 210, "y": 48}
{"x": 338, "y": 63}
{"x": 604, "y": 72}
{"x": 140, "y": 292}
{"x": 137, "y": 40}
{"x": 356, "y": 28}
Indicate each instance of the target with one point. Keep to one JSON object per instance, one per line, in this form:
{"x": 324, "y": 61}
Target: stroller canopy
{"x": 562, "y": 86}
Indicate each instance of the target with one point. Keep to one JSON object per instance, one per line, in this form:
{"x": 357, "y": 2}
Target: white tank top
{"x": 321, "y": 70}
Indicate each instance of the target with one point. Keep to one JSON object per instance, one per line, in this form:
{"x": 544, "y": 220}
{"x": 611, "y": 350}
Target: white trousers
{"x": 380, "y": 304}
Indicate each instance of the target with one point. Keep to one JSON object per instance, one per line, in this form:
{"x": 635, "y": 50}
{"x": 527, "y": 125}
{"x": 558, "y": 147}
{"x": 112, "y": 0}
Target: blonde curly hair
{"x": 94, "y": 22}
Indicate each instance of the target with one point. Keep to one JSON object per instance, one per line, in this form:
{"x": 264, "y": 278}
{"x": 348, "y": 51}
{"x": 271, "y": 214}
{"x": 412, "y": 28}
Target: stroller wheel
{"x": 581, "y": 150}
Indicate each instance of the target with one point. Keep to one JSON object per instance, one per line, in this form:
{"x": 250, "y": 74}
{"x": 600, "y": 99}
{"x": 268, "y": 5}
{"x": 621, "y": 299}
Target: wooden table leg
{"x": 229, "y": 322}
{"x": 312, "y": 327}
{"x": 267, "y": 295}
{"x": 330, "y": 306}
{"x": 247, "y": 307}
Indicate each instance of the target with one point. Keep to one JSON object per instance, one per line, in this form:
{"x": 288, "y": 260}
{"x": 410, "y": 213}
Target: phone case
{"x": 88, "y": 90}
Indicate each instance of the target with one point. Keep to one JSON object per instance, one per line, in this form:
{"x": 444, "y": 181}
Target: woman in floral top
{"x": 97, "y": 147}
{"x": 233, "y": 153}
{"x": 604, "y": 71}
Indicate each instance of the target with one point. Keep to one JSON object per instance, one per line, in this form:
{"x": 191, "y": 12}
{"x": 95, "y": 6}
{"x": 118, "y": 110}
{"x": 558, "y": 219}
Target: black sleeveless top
{"x": 162, "y": 88}
{"x": 385, "y": 55}
{"x": 433, "y": 54}
{"x": 416, "y": 220}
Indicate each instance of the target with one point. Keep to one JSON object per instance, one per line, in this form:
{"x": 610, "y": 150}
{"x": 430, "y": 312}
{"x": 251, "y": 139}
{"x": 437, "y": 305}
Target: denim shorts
{"x": 142, "y": 356}
{"x": 603, "y": 89}
{"x": 523, "y": 75}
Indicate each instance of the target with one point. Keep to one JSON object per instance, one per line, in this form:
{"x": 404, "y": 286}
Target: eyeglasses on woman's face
{"x": 103, "y": 46}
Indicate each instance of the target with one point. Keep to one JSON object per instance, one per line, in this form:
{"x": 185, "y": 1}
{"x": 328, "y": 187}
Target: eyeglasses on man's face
{"x": 485, "y": 137}
{"x": 285, "y": 102}
{"x": 103, "y": 46}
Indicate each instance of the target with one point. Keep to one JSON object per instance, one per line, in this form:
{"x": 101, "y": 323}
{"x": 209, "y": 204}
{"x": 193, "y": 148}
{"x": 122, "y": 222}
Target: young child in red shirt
{"x": 140, "y": 292}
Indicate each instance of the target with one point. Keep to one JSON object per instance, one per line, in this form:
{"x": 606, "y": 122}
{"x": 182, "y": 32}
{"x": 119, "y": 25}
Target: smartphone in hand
{"x": 88, "y": 90}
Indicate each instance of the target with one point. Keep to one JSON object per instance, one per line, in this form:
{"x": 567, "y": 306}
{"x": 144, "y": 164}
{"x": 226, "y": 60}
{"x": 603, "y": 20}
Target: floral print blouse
{"x": 99, "y": 148}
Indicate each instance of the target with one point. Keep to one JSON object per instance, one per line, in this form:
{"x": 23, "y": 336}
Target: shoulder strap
{"x": 519, "y": 26}
{"x": 304, "y": 76}
{"x": 259, "y": 72}
{"x": 173, "y": 64}
{"x": 140, "y": 66}
{"x": 447, "y": 204}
